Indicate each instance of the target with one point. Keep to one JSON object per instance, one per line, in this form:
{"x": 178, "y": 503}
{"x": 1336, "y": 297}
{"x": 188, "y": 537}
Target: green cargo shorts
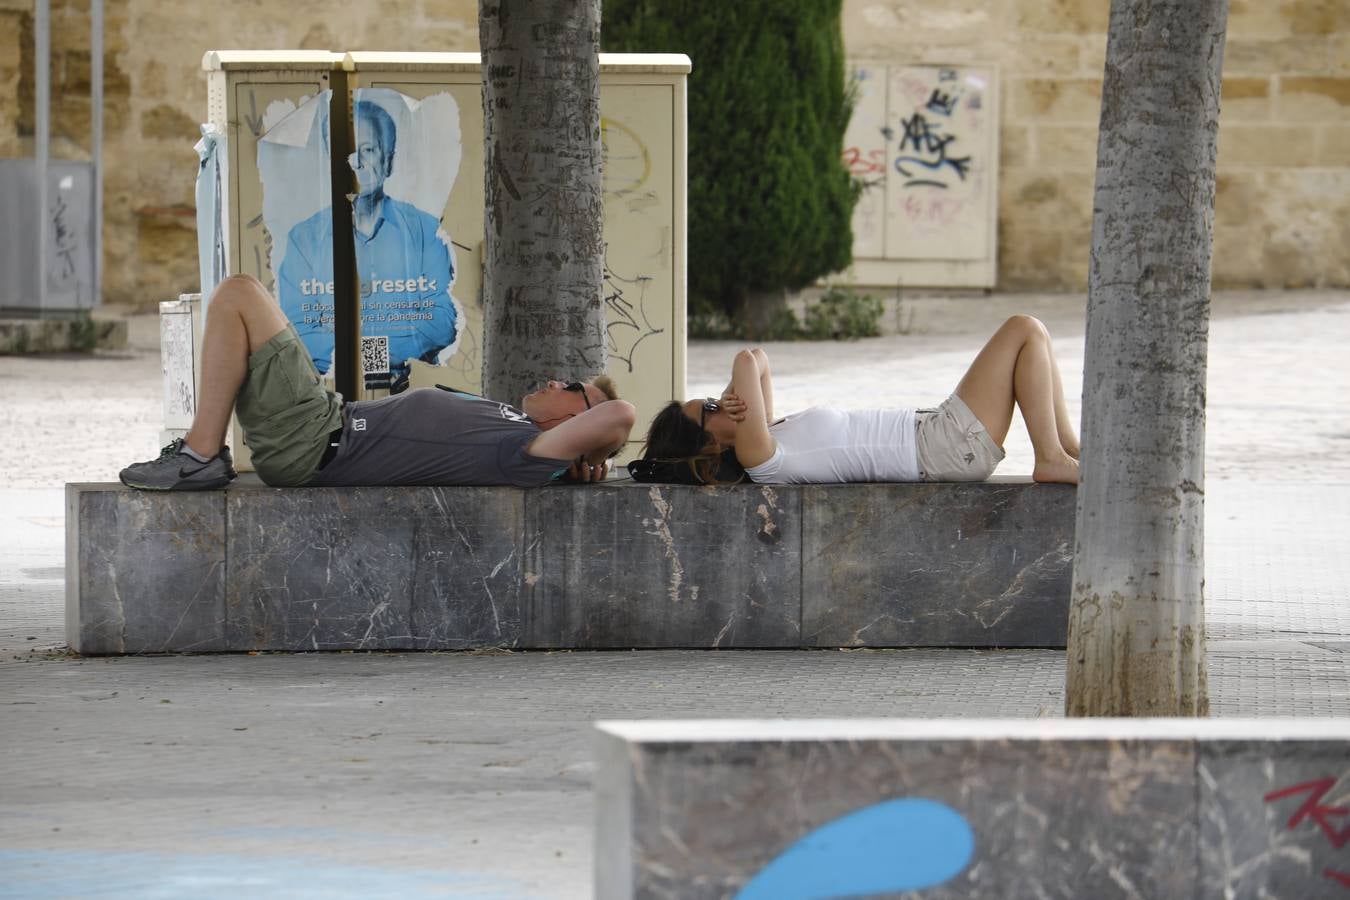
{"x": 285, "y": 411}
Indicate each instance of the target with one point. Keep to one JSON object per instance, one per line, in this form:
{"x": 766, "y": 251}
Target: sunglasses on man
{"x": 577, "y": 387}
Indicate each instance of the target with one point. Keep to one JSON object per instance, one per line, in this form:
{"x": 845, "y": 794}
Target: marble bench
{"x": 615, "y": 565}
{"x": 971, "y": 809}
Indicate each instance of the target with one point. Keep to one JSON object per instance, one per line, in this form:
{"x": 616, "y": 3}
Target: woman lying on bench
{"x": 961, "y": 440}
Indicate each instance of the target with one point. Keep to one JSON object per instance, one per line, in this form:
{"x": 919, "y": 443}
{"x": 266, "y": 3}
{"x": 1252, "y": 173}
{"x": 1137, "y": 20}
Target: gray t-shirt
{"x": 437, "y": 437}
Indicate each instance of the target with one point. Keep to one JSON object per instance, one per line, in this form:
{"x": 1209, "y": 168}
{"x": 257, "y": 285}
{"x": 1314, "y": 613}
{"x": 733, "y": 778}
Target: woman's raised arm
{"x": 765, "y": 383}
{"x": 733, "y": 401}
{"x": 750, "y": 382}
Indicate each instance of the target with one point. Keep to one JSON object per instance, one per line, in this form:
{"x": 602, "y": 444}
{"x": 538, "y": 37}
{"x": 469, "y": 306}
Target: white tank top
{"x": 823, "y": 446}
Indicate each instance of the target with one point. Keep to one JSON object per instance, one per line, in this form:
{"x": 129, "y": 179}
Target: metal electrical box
{"x": 923, "y": 140}
{"x": 422, "y": 309}
{"x": 69, "y": 241}
{"x": 180, "y": 341}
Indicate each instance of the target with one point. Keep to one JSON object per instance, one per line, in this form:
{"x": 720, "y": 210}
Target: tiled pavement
{"x": 468, "y": 774}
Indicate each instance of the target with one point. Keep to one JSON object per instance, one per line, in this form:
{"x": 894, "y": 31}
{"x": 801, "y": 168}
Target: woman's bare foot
{"x": 1060, "y": 471}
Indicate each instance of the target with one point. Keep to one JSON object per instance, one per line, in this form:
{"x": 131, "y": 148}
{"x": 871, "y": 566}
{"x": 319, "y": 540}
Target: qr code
{"x": 375, "y": 355}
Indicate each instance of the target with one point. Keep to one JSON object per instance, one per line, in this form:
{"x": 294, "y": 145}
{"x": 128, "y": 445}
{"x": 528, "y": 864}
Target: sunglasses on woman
{"x": 709, "y": 406}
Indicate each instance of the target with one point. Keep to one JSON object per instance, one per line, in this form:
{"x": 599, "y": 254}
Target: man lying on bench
{"x": 300, "y": 433}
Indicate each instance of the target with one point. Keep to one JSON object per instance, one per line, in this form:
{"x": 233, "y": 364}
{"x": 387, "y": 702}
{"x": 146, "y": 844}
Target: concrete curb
{"x": 64, "y": 334}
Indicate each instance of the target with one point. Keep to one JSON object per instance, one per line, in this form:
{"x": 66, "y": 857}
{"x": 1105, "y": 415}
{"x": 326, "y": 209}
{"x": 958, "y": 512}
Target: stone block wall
{"x": 155, "y": 96}
{"x": 983, "y": 809}
{"x": 1284, "y": 147}
{"x": 608, "y": 566}
{"x": 1283, "y": 204}
{"x": 15, "y": 31}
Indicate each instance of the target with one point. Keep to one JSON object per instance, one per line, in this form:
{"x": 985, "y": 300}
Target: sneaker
{"x": 225, "y": 457}
{"x": 174, "y": 470}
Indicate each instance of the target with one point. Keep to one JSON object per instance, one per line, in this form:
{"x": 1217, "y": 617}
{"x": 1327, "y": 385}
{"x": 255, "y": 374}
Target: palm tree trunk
{"x": 1136, "y": 624}
{"x": 544, "y": 250}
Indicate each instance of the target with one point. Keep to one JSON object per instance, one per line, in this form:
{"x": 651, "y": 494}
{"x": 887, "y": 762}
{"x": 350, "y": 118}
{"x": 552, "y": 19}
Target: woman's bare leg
{"x": 240, "y": 319}
{"x": 1016, "y": 366}
{"x": 1068, "y": 437}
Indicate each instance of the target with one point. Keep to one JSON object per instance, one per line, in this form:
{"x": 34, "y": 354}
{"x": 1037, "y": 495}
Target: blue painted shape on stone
{"x": 900, "y": 845}
{"x": 35, "y": 874}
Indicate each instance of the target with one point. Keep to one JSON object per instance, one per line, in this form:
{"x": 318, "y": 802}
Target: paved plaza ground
{"x": 468, "y": 774}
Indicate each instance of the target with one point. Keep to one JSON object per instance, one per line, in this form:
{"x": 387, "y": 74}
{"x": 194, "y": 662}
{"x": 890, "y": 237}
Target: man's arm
{"x": 590, "y": 438}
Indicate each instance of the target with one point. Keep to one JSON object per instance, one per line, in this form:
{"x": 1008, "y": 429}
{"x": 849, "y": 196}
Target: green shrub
{"x": 83, "y": 332}
{"x": 843, "y": 314}
{"x": 707, "y": 322}
{"x": 770, "y": 202}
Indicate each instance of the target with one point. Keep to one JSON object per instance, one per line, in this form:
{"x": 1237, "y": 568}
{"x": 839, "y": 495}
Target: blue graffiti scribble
{"x": 923, "y": 138}
{"x": 899, "y": 845}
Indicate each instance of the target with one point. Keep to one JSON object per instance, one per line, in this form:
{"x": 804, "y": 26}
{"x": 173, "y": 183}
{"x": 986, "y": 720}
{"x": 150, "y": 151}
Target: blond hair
{"x": 606, "y": 386}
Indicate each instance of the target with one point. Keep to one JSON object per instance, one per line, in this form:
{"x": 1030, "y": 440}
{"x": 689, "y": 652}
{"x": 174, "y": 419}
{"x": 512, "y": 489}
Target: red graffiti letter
{"x": 1315, "y": 811}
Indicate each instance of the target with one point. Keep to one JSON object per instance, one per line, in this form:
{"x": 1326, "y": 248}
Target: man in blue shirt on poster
{"x": 402, "y": 260}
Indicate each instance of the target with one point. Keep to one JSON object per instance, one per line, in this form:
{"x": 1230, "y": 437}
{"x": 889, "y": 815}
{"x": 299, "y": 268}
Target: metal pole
{"x": 347, "y": 369}
{"x": 96, "y": 140}
{"x": 42, "y": 38}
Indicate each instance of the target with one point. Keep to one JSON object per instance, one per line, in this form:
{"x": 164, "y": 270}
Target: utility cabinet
{"x": 272, "y": 108}
{"x": 923, "y": 140}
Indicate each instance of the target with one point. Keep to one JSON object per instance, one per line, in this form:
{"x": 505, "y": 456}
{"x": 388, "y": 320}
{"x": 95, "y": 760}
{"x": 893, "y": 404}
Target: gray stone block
{"x": 145, "y": 572}
{"x": 373, "y": 568}
{"x": 976, "y": 565}
{"x": 663, "y": 566}
{"x": 604, "y": 566}
{"x": 966, "y": 809}
{"x": 1273, "y": 818}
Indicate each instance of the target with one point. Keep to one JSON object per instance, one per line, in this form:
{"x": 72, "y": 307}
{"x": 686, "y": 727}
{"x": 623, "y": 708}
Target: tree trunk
{"x": 761, "y": 315}
{"x": 1136, "y": 624}
{"x": 544, "y": 251}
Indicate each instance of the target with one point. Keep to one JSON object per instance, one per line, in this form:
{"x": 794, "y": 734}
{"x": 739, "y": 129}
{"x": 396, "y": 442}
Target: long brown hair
{"x": 673, "y": 437}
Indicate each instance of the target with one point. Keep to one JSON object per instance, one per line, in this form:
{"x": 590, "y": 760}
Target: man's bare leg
{"x": 240, "y": 318}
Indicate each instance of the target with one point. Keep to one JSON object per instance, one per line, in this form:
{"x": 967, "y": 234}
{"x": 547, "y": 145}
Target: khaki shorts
{"x": 285, "y": 411}
{"x": 953, "y": 445}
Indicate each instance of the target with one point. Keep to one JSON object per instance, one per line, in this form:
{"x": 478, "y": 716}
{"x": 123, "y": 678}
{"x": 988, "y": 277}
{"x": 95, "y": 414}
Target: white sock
{"x": 188, "y": 451}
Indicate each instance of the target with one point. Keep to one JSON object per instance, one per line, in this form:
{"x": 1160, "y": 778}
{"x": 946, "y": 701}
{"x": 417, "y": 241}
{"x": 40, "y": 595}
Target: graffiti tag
{"x": 66, "y": 239}
{"x": 929, "y": 151}
{"x": 626, "y": 324}
{"x": 858, "y": 165}
{"x": 944, "y": 104}
{"x": 262, "y": 250}
{"x": 1314, "y": 811}
{"x": 252, "y": 119}
{"x": 628, "y": 163}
